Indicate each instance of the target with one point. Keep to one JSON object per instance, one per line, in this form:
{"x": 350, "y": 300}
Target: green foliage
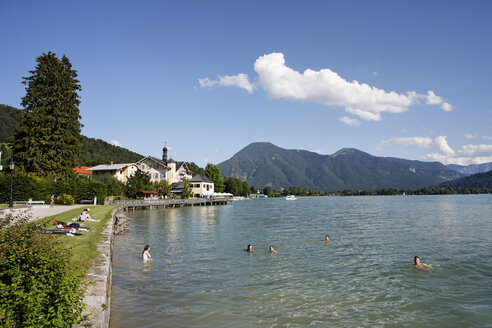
{"x": 97, "y": 151}
{"x": 187, "y": 190}
{"x": 87, "y": 189}
{"x": 65, "y": 199}
{"x": 6, "y": 154}
{"x": 213, "y": 173}
{"x": 92, "y": 152}
{"x": 139, "y": 181}
{"x": 9, "y": 117}
{"x": 195, "y": 169}
{"x": 26, "y": 186}
{"x": 236, "y": 187}
{"x": 163, "y": 188}
{"x": 47, "y": 139}
{"x": 267, "y": 190}
{"x": 479, "y": 180}
{"x": 114, "y": 186}
{"x": 38, "y": 285}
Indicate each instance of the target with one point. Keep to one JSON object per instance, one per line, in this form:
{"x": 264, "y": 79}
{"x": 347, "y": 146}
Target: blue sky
{"x": 391, "y": 78}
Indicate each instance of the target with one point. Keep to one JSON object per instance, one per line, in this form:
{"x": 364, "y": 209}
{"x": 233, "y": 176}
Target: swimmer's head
{"x": 327, "y": 237}
{"x": 250, "y": 248}
{"x": 416, "y": 260}
{"x": 146, "y": 248}
{"x": 271, "y": 248}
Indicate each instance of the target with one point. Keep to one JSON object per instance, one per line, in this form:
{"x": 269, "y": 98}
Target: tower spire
{"x": 164, "y": 153}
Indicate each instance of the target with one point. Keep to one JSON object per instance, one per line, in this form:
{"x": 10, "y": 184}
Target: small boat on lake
{"x": 290, "y": 197}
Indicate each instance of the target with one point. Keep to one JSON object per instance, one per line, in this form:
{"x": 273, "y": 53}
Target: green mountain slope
{"x": 93, "y": 151}
{"x": 472, "y": 168}
{"x": 9, "y": 118}
{"x": 263, "y": 164}
{"x": 479, "y": 180}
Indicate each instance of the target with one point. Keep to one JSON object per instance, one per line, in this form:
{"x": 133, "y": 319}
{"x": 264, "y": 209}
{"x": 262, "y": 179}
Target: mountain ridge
{"x": 263, "y": 163}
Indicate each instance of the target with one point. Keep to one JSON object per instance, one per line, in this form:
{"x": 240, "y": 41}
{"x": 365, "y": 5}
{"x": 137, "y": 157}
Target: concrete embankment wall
{"x": 98, "y": 293}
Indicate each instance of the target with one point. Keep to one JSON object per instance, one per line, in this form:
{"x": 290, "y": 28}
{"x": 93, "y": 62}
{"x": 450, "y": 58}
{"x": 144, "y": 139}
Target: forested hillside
{"x": 9, "y": 117}
{"x": 479, "y": 180}
{"x": 93, "y": 151}
{"x": 264, "y": 164}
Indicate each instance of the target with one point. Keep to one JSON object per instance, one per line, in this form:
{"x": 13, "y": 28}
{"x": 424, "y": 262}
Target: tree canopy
{"x": 47, "y": 139}
{"x": 213, "y": 173}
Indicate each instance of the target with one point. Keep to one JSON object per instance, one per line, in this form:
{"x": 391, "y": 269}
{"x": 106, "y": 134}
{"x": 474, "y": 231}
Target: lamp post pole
{"x": 11, "y": 166}
{"x": 54, "y": 191}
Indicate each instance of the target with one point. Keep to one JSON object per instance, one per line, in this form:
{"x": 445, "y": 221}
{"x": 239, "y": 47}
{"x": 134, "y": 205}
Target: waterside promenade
{"x": 165, "y": 203}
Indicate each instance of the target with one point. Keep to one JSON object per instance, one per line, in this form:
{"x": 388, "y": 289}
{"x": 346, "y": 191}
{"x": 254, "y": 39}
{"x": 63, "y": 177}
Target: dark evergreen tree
{"x": 47, "y": 140}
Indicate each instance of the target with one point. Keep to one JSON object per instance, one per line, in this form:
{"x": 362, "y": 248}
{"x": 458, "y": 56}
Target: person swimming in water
{"x": 419, "y": 265}
{"x": 327, "y": 239}
{"x": 272, "y": 249}
{"x": 145, "y": 254}
{"x": 249, "y": 248}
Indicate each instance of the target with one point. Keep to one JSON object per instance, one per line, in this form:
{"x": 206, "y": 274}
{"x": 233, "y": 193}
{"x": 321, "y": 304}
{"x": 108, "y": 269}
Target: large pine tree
{"x": 47, "y": 140}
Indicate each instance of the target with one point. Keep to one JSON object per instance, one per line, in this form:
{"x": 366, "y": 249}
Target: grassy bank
{"x": 83, "y": 248}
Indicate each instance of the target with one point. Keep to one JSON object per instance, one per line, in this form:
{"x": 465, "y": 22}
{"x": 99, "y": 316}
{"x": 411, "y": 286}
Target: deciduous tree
{"x": 213, "y": 173}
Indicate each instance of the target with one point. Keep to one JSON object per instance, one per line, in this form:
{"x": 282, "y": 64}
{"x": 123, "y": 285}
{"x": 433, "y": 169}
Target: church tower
{"x": 164, "y": 153}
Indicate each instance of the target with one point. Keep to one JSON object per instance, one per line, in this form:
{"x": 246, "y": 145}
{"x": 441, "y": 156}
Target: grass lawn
{"x": 83, "y": 248}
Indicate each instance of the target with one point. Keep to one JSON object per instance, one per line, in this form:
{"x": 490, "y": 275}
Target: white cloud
{"x": 441, "y": 144}
{"x": 476, "y": 150}
{"x": 447, "y": 107}
{"x": 439, "y": 150}
{"x": 116, "y": 143}
{"x": 349, "y": 120}
{"x": 327, "y": 88}
{"x": 375, "y": 73}
{"x": 422, "y": 142}
{"x": 205, "y": 160}
{"x": 487, "y": 137}
{"x": 432, "y": 99}
{"x": 216, "y": 150}
{"x": 239, "y": 80}
{"x": 470, "y": 136}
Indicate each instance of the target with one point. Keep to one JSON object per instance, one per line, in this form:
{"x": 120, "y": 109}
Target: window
{"x": 156, "y": 175}
{"x": 142, "y": 166}
{"x": 149, "y": 166}
{"x": 156, "y": 166}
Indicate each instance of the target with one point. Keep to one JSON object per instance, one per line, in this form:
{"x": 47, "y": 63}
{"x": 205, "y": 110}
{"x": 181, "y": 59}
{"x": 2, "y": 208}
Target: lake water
{"x": 200, "y": 275}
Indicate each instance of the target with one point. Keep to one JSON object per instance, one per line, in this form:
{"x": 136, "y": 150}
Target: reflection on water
{"x": 200, "y": 275}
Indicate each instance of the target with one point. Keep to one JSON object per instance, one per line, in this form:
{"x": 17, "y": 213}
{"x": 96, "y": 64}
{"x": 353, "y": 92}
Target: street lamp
{"x": 11, "y": 166}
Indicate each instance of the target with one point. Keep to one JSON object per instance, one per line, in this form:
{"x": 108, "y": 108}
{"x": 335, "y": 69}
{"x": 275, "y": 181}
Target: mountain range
{"x": 264, "y": 164}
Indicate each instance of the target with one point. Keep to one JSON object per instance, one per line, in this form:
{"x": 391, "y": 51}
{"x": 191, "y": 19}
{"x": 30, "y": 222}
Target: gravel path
{"x": 41, "y": 211}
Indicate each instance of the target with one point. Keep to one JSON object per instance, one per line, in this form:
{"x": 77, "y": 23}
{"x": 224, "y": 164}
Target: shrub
{"x": 38, "y": 285}
{"x": 65, "y": 199}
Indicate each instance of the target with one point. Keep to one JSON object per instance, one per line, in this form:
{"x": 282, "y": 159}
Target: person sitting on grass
{"x": 85, "y": 216}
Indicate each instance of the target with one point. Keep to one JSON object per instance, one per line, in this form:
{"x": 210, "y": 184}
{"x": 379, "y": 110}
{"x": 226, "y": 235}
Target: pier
{"x": 133, "y": 204}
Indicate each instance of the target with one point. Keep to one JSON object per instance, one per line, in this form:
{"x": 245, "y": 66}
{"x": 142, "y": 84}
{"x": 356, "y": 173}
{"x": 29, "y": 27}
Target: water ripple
{"x": 200, "y": 276}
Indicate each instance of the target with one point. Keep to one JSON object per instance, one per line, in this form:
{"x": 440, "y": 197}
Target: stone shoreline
{"x": 99, "y": 278}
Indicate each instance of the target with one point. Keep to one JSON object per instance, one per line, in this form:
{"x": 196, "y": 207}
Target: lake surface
{"x": 200, "y": 275}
